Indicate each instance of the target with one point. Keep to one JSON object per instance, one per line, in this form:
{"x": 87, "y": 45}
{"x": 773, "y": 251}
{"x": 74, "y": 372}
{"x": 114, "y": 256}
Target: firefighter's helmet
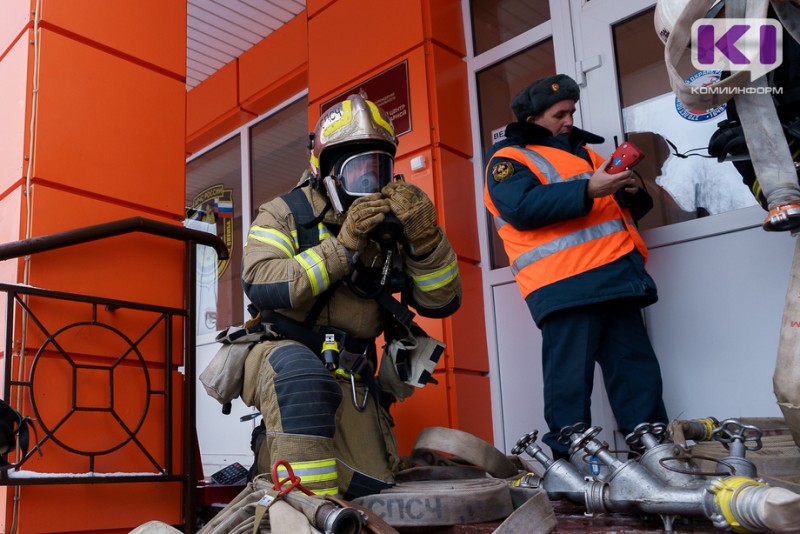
{"x": 668, "y": 11}
{"x": 352, "y": 150}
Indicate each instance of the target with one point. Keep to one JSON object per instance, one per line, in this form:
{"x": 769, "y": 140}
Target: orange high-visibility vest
{"x": 545, "y": 255}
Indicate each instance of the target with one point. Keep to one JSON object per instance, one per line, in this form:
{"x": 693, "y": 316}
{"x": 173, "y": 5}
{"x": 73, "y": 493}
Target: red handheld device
{"x": 625, "y": 156}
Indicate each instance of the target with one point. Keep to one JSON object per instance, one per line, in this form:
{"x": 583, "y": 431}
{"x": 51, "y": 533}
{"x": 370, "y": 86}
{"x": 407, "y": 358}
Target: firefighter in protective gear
{"x": 313, "y": 269}
{"x": 578, "y": 259}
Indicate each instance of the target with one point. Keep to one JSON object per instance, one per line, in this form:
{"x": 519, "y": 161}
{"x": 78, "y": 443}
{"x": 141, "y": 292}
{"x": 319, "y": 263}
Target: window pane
{"x": 682, "y": 188}
{"x": 279, "y": 152}
{"x": 497, "y": 85}
{"x": 214, "y": 204}
{"x": 496, "y": 21}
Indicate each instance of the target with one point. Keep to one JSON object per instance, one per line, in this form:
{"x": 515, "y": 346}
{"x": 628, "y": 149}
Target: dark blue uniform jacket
{"x": 526, "y": 204}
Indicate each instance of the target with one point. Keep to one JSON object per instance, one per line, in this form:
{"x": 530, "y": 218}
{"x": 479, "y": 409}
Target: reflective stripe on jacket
{"x": 545, "y": 255}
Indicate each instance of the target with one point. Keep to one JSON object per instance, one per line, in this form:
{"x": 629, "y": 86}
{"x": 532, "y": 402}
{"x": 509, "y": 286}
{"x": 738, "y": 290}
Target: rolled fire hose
{"x": 417, "y": 503}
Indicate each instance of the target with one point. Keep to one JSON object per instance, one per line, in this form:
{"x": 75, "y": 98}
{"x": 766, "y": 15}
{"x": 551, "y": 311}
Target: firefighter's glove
{"x": 417, "y": 214}
{"x": 362, "y": 216}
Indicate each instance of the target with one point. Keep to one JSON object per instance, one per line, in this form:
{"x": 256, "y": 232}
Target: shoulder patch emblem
{"x": 502, "y": 170}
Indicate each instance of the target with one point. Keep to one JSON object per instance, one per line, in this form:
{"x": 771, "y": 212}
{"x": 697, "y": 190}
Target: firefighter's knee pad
{"x": 306, "y": 394}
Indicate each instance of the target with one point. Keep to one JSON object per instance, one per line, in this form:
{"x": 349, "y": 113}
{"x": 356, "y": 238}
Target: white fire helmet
{"x": 668, "y": 11}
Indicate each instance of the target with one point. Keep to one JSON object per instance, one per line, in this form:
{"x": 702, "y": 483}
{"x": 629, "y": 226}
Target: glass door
{"x": 628, "y": 97}
{"x": 514, "y": 43}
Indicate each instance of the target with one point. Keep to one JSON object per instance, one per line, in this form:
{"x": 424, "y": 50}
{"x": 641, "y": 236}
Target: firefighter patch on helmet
{"x": 502, "y": 170}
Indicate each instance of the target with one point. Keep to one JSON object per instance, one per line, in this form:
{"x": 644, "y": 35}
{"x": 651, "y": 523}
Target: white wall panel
{"x": 715, "y": 328}
{"x": 519, "y": 349}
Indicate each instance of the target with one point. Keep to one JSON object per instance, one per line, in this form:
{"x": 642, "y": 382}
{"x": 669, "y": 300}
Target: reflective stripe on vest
{"x": 570, "y": 240}
{"x": 560, "y": 250}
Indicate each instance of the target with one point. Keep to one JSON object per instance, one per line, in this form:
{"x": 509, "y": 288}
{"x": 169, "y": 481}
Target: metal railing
{"x": 132, "y": 363}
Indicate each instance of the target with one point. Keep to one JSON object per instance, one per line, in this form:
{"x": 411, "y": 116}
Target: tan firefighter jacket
{"x": 277, "y": 276}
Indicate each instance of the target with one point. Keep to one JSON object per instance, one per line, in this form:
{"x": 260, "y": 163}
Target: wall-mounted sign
{"x": 389, "y": 90}
{"x": 213, "y": 209}
{"x": 498, "y": 134}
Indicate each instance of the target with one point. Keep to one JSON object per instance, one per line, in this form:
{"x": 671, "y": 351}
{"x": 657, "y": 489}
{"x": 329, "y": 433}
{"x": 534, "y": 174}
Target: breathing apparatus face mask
{"x": 358, "y": 175}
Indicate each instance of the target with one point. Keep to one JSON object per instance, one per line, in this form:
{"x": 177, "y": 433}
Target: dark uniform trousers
{"x": 612, "y": 334}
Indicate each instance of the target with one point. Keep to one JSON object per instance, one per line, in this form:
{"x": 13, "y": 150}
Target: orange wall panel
{"x": 274, "y": 95}
{"x": 222, "y": 126}
{"x": 457, "y": 193}
{"x": 14, "y": 92}
{"x": 420, "y": 135}
{"x": 128, "y": 27}
{"x": 88, "y": 508}
{"x": 134, "y": 266}
{"x": 91, "y": 507}
{"x": 110, "y": 127}
{"x": 282, "y": 53}
{"x": 55, "y": 379}
{"x": 426, "y": 407}
{"x": 424, "y": 176}
{"x": 352, "y": 37}
{"x": 217, "y": 96}
{"x": 16, "y": 15}
{"x": 471, "y": 396}
{"x": 10, "y": 228}
{"x": 446, "y": 25}
{"x": 468, "y": 325}
{"x": 433, "y": 327}
{"x": 314, "y": 6}
{"x": 451, "y": 110}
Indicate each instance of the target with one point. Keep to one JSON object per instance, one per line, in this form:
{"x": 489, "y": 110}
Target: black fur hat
{"x": 542, "y": 94}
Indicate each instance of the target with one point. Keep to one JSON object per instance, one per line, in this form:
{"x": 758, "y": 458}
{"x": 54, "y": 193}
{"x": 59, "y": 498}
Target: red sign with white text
{"x": 389, "y": 90}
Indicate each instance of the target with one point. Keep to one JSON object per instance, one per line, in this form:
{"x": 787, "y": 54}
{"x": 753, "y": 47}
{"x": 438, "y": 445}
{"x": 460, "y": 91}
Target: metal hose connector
{"x": 735, "y": 504}
{"x": 748, "y": 505}
{"x": 336, "y": 520}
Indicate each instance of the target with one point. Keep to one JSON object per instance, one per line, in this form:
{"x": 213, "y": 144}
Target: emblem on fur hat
{"x": 542, "y": 94}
